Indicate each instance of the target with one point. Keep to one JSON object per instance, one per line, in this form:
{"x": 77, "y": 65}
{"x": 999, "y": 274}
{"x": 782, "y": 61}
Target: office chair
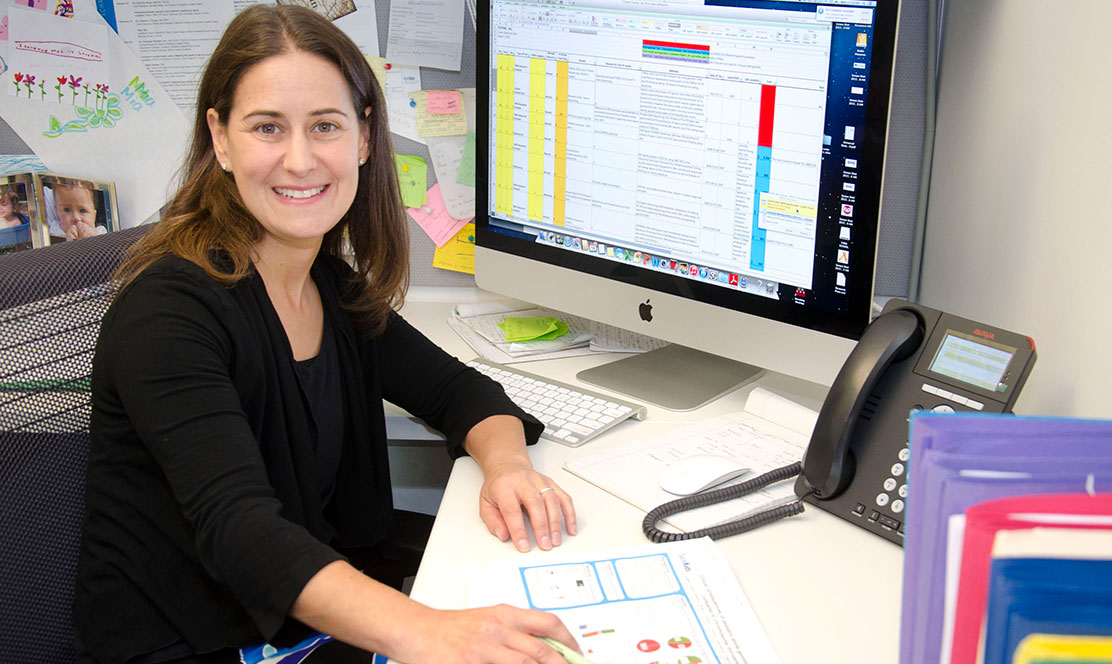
{"x": 51, "y": 303}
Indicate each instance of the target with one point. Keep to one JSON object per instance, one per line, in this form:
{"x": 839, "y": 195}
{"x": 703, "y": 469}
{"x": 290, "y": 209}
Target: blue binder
{"x": 1042, "y": 595}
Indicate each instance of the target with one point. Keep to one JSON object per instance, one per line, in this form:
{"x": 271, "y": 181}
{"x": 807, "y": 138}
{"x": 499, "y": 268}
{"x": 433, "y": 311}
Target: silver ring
{"x": 547, "y": 488}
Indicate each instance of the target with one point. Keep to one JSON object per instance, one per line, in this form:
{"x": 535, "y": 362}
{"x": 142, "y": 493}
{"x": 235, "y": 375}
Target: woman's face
{"x": 293, "y": 141}
{"x": 6, "y": 209}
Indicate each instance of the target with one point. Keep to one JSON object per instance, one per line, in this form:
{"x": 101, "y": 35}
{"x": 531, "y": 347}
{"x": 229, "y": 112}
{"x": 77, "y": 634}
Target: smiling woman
{"x": 238, "y": 495}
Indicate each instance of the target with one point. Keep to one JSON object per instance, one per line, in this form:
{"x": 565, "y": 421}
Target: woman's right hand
{"x": 492, "y": 635}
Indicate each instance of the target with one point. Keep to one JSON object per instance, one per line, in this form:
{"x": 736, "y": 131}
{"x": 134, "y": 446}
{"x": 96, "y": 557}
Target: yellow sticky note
{"x": 436, "y": 124}
{"x": 412, "y": 178}
{"x": 378, "y": 66}
{"x": 458, "y": 254}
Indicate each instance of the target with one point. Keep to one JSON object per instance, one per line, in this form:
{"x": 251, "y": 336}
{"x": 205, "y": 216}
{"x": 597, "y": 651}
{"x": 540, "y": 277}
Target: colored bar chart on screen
{"x": 763, "y": 173}
{"x": 662, "y": 50}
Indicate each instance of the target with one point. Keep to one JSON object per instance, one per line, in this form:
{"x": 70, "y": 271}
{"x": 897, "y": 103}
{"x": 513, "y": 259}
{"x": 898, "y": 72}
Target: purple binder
{"x": 960, "y": 460}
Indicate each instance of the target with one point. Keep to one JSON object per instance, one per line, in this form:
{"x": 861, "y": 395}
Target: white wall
{"x": 1020, "y": 225}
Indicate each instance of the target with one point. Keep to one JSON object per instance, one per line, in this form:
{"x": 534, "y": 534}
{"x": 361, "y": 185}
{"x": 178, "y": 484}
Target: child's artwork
{"x": 56, "y": 59}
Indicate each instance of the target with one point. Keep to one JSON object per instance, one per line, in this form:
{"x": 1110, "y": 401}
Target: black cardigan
{"x": 203, "y": 512}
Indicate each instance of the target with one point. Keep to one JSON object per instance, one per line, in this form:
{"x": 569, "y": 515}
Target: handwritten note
{"x": 435, "y": 220}
{"x": 412, "y": 178}
{"x": 458, "y": 254}
{"x": 436, "y": 124}
{"x": 466, "y": 173}
{"x": 443, "y": 102}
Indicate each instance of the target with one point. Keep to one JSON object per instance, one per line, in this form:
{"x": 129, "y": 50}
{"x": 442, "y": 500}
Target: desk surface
{"x": 824, "y": 590}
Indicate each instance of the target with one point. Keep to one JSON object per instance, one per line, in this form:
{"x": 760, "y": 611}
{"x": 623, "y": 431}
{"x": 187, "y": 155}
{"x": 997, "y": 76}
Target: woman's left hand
{"x": 513, "y": 490}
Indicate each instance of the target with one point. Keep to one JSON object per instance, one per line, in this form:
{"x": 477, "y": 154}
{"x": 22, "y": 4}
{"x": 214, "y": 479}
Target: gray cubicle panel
{"x": 901, "y": 183}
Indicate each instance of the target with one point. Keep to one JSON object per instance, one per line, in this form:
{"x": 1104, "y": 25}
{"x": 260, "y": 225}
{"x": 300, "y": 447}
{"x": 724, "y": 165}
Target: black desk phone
{"x": 909, "y": 358}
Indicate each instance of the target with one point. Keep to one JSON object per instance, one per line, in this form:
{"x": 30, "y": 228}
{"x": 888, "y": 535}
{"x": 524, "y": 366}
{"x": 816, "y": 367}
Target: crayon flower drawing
{"x": 74, "y": 83}
{"x": 104, "y": 117}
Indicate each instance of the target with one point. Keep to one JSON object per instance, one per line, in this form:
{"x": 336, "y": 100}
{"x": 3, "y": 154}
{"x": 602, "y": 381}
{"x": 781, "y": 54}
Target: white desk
{"x": 824, "y": 590}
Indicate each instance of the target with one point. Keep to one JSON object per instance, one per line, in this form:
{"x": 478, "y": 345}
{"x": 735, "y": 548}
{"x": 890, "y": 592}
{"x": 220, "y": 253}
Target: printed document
{"x": 675, "y": 602}
{"x": 749, "y": 437}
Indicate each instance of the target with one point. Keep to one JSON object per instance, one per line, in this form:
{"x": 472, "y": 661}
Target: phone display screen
{"x": 972, "y": 360}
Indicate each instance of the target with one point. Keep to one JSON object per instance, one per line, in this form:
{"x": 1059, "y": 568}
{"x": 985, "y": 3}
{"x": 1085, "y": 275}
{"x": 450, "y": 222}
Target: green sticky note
{"x": 466, "y": 173}
{"x": 532, "y": 329}
{"x": 413, "y": 179}
{"x": 561, "y": 329}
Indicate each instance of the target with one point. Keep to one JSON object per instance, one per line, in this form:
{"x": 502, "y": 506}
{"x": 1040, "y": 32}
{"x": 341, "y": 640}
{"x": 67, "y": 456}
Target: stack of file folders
{"x": 1008, "y": 552}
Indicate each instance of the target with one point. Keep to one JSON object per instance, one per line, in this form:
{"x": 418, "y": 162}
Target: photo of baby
{"x": 75, "y": 209}
{"x": 15, "y": 219}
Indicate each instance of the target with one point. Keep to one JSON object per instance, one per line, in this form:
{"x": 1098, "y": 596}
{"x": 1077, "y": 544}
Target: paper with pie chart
{"x": 676, "y": 603}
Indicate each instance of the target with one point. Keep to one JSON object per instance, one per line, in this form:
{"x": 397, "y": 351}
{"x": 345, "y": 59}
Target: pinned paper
{"x": 59, "y": 60}
{"x": 466, "y": 173}
{"x": 400, "y": 81}
{"x": 426, "y": 33}
{"x": 412, "y": 178}
{"x": 433, "y": 124}
{"x": 443, "y": 102}
{"x": 533, "y": 329}
{"x": 434, "y": 219}
{"x": 458, "y": 254}
{"x": 378, "y": 68}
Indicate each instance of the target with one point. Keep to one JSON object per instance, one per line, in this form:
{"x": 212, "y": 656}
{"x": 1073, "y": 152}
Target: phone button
{"x": 859, "y": 510}
{"x": 903, "y": 491}
{"x": 897, "y": 469}
{"x": 942, "y": 408}
{"x": 897, "y": 506}
{"x": 890, "y": 484}
{"x": 975, "y": 405}
{"x": 905, "y": 454}
{"x": 882, "y": 499}
{"x": 889, "y": 522}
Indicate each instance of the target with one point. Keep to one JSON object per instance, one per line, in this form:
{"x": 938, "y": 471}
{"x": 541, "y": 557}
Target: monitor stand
{"x": 673, "y": 377}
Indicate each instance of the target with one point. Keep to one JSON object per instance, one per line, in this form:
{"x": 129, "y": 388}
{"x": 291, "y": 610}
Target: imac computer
{"x": 707, "y": 172}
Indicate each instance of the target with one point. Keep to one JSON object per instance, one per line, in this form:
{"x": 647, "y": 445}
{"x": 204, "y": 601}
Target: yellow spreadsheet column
{"x": 561, "y": 152}
{"x": 504, "y": 138}
{"x": 536, "y": 139}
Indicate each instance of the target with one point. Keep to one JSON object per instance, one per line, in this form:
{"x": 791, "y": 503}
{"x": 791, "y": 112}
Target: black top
{"x": 319, "y": 377}
{"x": 204, "y": 517}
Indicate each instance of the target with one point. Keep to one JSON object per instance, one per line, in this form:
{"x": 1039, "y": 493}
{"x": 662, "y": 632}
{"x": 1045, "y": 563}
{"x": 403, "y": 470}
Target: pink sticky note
{"x": 434, "y": 219}
{"x": 442, "y": 102}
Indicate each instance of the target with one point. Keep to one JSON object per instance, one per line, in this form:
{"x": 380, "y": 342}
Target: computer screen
{"x": 704, "y": 171}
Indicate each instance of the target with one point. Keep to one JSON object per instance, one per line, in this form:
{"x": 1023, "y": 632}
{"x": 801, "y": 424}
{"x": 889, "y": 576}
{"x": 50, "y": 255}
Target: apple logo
{"x": 646, "y": 311}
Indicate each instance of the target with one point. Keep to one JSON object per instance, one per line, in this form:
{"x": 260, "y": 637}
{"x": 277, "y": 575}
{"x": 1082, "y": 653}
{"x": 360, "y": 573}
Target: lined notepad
{"x": 771, "y": 432}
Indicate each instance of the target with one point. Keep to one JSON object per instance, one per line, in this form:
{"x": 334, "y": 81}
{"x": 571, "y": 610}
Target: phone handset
{"x": 828, "y": 463}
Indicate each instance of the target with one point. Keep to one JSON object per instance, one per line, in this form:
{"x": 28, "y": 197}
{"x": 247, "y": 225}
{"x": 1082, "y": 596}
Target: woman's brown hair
{"x": 206, "y": 221}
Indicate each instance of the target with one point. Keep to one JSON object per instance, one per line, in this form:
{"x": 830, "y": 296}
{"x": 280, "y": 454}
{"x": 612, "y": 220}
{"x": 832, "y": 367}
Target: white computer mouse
{"x": 699, "y": 472}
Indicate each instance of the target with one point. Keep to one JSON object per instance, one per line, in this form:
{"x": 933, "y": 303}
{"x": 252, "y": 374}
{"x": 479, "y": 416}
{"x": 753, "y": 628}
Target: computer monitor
{"x": 707, "y": 172}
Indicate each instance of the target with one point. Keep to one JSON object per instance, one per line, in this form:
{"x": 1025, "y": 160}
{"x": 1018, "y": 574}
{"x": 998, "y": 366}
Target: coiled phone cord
{"x": 720, "y": 495}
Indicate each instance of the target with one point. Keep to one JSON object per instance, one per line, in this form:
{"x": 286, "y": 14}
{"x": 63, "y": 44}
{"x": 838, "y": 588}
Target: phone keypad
{"x": 892, "y": 496}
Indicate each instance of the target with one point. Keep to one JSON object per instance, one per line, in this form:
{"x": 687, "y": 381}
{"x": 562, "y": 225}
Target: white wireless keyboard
{"x": 571, "y": 415}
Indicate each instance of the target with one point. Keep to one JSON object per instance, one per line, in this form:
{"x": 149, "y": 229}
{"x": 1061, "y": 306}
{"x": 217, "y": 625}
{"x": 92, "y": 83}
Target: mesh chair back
{"x": 51, "y": 304}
